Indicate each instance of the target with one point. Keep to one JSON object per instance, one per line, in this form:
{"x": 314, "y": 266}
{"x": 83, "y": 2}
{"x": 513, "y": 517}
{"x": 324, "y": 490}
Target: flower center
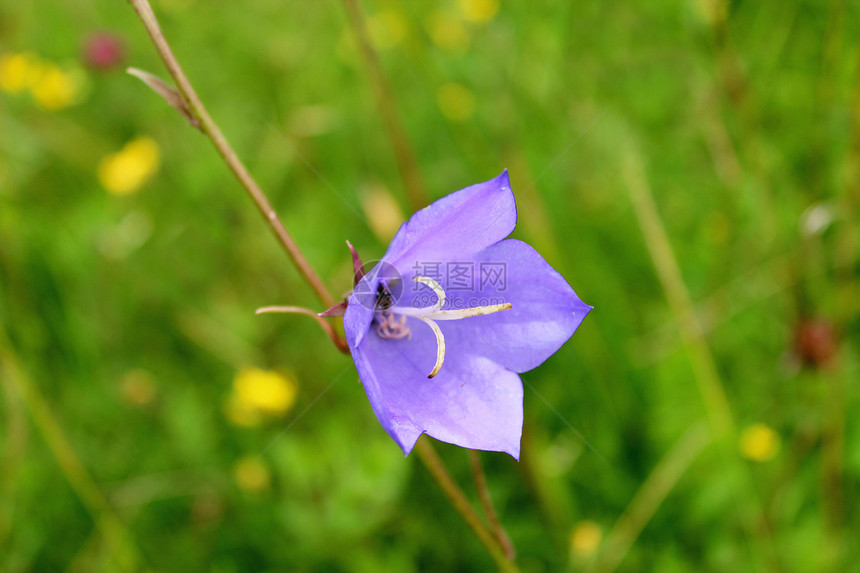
{"x": 388, "y": 327}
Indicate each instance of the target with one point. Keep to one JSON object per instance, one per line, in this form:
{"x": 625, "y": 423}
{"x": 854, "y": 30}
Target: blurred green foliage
{"x": 131, "y": 315}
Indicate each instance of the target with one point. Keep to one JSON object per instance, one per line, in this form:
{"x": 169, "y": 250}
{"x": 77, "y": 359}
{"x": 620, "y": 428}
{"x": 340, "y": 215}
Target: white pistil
{"x": 440, "y": 346}
{"x": 431, "y": 314}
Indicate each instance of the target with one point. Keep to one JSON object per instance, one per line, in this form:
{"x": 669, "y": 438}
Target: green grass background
{"x": 737, "y": 126}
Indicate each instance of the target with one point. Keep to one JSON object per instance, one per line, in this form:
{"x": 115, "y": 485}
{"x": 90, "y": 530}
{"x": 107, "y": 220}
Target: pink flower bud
{"x": 103, "y": 51}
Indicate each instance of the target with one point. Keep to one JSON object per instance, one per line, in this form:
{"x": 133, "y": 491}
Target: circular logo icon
{"x": 381, "y": 287}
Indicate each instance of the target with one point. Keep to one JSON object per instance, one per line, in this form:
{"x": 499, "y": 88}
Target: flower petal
{"x": 474, "y": 402}
{"x": 458, "y": 224}
{"x": 360, "y": 308}
{"x": 544, "y": 315}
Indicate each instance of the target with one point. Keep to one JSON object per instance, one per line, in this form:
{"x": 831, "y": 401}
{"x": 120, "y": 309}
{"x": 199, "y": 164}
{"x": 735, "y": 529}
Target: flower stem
{"x": 487, "y": 504}
{"x": 107, "y": 522}
{"x": 652, "y": 493}
{"x": 210, "y": 128}
{"x": 339, "y": 342}
{"x": 402, "y": 151}
{"x": 436, "y": 467}
{"x": 701, "y": 359}
{"x": 680, "y": 303}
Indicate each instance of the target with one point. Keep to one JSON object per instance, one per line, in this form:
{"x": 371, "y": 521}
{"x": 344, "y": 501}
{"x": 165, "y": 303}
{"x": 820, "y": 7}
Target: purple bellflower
{"x": 440, "y": 327}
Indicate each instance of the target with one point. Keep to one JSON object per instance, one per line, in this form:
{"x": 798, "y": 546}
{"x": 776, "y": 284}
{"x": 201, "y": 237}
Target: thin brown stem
{"x": 409, "y": 171}
{"x": 210, "y": 128}
{"x": 436, "y": 467}
{"x": 339, "y": 342}
{"x": 487, "y": 504}
{"x": 403, "y": 152}
{"x": 833, "y": 452}
{"x": 849, "y": 237}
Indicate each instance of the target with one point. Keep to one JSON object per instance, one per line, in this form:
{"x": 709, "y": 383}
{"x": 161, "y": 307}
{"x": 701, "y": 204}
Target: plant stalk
{"x": 436, "y": 467}
{"x": 107, "y": 522}
{"x": 210, "y": 128}
{"x": 406, "y": 162}
{"x": 487, "y": 503}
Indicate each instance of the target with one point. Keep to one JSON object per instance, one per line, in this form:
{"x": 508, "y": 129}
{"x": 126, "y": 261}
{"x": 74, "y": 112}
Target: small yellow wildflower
{"x": 265, "y": 390}
{"x": 56, "y": 89}
{"x": 585, "y": 538}
{"x": 456, "y": 102}
{"x": 479, "y": 10}
{"x": 386, "y": 29}
{"x": 19, "y": 72}
{"x": 759, "y": 443}
{"x": 258, "y": 394}
{"x": 447, "y": 32}
{"x": 123, "y": 173}
{"x": 252, "y": 475}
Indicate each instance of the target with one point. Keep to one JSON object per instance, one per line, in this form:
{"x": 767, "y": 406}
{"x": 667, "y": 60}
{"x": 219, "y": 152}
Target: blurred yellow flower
{"x": 585, "y": 538}
{"x": 19, "y": 71}
{"x": 381, "y": 210}
{"x": 386, "y": 29}
{"x": 252, "y": 475}
{"x": 55, "y": 89}
{"x": 51, "y": 87}
{"x": 479, "y": 10}
{"x": 759, "y": 443}
{"x": 258, "y": 394}
{"x": 123, "y": 172}
{"x": 265, "y": 390}
{"x": 447, "y": 32}
{"x": 456, "y": 102}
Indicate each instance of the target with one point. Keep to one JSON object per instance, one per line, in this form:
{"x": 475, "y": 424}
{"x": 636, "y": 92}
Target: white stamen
{"x": 430, "y": 314}
{"x": 440, "y": 347}
{"x": 440, "y": 294}
{"x": 454, "y": 314}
